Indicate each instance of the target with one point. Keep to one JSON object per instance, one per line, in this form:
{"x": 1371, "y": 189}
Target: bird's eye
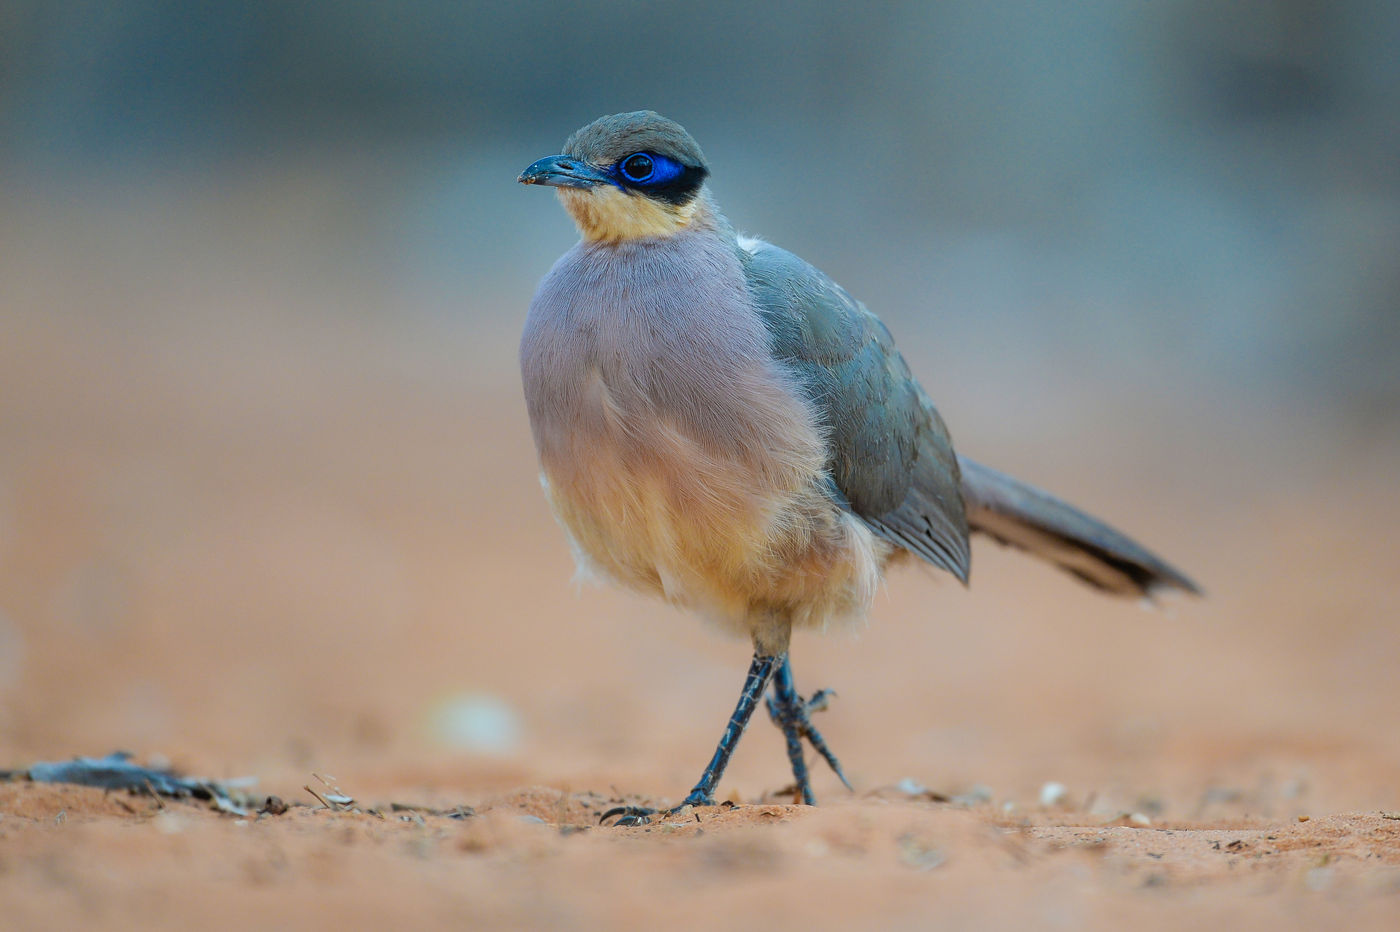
{"x": 638, "y": 167}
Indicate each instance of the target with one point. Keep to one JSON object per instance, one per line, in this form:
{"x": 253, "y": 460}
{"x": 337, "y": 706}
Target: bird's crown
{"x": 610, "y": 139}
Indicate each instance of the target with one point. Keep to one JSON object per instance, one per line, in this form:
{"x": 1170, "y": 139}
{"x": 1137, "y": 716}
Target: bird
{"x": 720, "y": 424}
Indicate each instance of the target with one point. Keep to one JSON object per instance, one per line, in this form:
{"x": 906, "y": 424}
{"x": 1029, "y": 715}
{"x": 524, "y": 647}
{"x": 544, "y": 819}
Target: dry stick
{"x": 320, "y": 797}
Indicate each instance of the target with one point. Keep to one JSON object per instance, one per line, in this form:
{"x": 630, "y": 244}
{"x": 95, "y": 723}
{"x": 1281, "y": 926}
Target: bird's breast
{"x": 678, "y": 454}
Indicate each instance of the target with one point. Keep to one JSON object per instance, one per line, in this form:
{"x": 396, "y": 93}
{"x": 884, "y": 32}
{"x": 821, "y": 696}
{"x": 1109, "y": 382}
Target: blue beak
{"x": 563, "y": 171}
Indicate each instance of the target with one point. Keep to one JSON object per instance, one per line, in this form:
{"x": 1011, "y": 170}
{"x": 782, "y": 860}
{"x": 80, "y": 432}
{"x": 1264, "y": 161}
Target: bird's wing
{"x": 889, "y": 453}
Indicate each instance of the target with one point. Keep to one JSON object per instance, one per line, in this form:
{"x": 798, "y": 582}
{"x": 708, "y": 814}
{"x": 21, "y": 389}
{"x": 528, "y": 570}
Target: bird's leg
{"x": 791, "y": 713}
{"x": 755, "y": 684}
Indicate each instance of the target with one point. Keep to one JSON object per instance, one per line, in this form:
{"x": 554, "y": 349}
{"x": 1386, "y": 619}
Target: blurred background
{"x": 267, "y": 494}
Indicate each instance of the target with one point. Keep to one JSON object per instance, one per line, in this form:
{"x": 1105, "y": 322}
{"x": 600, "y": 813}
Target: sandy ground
{"x": 259, "y": 545}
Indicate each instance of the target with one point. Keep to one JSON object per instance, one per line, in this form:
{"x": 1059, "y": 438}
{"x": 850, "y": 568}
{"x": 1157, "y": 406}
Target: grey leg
{"x": 791, "y": 713}
{"x": 755, "y": 684}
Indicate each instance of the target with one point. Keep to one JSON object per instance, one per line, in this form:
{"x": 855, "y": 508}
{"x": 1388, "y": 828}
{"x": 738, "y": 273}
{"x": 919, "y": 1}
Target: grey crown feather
{"x": 890, "y": 456}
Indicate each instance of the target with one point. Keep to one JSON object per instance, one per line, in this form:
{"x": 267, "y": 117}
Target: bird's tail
{"x": 1022, "y": 516}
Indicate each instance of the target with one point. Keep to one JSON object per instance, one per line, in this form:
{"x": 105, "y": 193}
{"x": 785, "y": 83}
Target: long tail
{"x": 1022, "y": 516}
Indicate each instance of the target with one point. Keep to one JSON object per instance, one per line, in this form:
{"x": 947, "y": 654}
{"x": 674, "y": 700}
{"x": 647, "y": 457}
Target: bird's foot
{"x": 790, "y": 712}
{"x": 761, "y": 673}
{"x": 629, "y": 815}
{"x": 645, "y": 815}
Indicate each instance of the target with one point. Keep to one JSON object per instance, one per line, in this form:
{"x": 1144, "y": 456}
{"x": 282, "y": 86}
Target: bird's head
{"x": 626, "y": 176}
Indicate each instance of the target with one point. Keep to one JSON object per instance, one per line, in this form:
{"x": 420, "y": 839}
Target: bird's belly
{"x": 649, "y": 505}
{"x": 740, "y": 531}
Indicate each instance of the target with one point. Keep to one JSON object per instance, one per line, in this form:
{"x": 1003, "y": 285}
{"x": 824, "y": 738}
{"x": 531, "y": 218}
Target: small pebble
{"x": 1053, "y": 794}
{"x": 911, "y": 787}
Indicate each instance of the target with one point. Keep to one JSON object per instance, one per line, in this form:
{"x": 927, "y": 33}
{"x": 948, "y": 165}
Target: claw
{"x": 820, "y": 700}
{"x": 645, "y": 815}
{"x": 817, "y": 742}
{"x": 628, "y": 815}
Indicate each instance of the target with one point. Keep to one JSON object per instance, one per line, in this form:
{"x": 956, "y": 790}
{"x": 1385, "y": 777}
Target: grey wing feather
{"x": 890, "y": 455}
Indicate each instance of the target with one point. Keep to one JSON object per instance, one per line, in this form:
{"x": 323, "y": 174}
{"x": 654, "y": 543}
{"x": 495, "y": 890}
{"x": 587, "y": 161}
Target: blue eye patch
{"x": 658, "y": 176}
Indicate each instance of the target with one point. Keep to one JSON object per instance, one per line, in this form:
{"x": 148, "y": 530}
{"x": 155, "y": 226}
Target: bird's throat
{"x": 607, "y": 214}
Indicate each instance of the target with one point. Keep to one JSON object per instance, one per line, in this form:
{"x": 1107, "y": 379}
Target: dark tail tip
{"x": 1023, "y": 516}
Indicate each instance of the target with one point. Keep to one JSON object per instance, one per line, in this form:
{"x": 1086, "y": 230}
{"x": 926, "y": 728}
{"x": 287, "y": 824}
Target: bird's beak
{"x": 563, "y": 171}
